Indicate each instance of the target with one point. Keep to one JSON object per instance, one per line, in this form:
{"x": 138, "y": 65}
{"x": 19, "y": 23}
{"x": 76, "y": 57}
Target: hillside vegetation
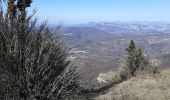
{"x": 141, "y": 87}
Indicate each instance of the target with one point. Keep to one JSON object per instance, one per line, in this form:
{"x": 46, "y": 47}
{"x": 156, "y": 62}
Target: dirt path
{"x": 105, "y": 92}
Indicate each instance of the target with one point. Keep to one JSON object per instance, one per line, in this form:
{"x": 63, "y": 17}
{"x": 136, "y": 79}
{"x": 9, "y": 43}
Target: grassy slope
{"x": 143, "y": 87}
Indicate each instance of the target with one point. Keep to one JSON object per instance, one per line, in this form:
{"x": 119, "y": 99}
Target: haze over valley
{"x": 100, "y": 47}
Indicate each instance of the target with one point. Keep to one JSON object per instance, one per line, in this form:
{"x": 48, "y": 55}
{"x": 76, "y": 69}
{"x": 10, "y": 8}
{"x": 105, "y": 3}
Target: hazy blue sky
{"x": 81, "y": 11}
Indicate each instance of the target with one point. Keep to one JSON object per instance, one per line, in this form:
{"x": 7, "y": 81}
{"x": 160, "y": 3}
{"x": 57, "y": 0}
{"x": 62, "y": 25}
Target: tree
{"x": 135, "y": 60}
{"x": 34, "y": 63}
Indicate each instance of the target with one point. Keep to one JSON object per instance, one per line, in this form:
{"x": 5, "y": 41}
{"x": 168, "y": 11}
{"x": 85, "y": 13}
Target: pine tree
{"x": 34, "y": 63}
{"x": 135, "y": 59}
{"x": 11, "y": 8}
{"x": 22, "y": 4}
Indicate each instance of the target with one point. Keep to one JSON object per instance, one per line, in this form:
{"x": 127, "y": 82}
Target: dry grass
{"x": 142, "y": 87}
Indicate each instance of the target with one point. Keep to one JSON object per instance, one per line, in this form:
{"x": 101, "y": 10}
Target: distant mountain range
{"x": 83, "y": 34}
{"x": 111, "y": 38}
{"x": 119, "y": 28}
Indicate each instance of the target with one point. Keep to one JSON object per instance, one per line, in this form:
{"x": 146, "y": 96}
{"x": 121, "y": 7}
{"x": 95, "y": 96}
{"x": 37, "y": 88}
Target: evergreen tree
{"x": 22, "y": 4}
{"x": 11, "y": 8}
{"x": 135, "y": 59}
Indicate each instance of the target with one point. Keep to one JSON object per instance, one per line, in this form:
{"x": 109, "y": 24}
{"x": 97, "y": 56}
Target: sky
{"x": 83, "y": 11}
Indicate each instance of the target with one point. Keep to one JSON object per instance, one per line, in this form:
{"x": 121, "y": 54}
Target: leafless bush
{"x": 34, "y": 62}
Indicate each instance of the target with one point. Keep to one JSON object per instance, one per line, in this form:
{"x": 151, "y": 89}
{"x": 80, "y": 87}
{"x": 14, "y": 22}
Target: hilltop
{"x": 142, "y": 87}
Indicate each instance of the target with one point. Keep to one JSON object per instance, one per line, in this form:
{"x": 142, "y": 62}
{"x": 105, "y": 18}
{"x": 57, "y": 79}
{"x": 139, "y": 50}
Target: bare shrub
{"x": 34, "y": 62}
